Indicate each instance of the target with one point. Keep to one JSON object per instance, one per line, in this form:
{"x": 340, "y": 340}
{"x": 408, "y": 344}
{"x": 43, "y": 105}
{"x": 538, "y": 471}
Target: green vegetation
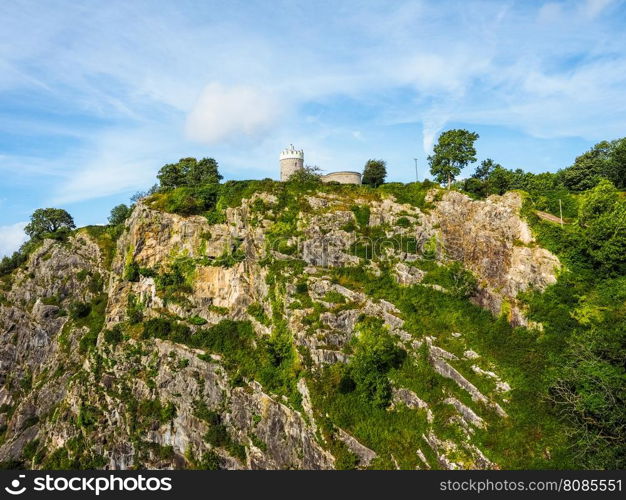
{"x": 119, "y": 214}
{"x": 453, "y": 151}
{"x": 374, "y": 173}
{"x": 586, "y": 311}
{"x": 375, "y": 353}
{"x": 93, "y": 320}
{"x": 272, "y": 361}
{"x": 606, "y": 160}
{"x": 523, "y": 357}
{"x": 189, "y": 172}
{"x": 49, "y": 223}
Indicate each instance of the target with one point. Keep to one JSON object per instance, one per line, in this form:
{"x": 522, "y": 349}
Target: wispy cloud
{"x": 11, "y": 237}
{"x": 223, "y": 112}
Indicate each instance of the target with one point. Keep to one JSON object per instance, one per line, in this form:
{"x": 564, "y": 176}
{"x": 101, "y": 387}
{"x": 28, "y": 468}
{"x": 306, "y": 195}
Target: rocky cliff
{"x": 237, "y": 343}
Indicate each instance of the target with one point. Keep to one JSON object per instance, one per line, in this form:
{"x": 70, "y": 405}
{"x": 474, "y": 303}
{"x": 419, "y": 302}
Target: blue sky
{"x": 96, "y": 96}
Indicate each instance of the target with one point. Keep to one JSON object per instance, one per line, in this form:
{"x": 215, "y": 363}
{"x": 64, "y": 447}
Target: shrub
{"x": 79, "y": 310}
{"x": 113, "y": 336}
{"x": 361, "y": 214}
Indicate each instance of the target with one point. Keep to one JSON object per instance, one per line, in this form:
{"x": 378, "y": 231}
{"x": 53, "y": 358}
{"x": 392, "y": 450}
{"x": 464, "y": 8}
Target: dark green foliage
{"x": 114, "y": 335}
{"x": 403, "y": 222}
{"x": 189, "y": 187}
{"x": 9, "y": 263}
{"x": 413, "y": 193}
{"x": 485, "y": 169}
{"x": 361, "y": 214}
{"x": 272, "y": 362}
{"x": 189, "y": 172}
{"x": 87, "y": 416}
{"x": 307, "y": 177}
{"x": 46, "y": 222}
{"x": 75, "y": 455}
{"x": 188, "y": 200}
{"x": 119, "y": 214}
{"x": 163, "y": 328}
{"x": 174, "y": 283}
{"x": 94, "y": 321}
{"x": 374, "y": 173}
{"x": 131, "y": 272}
{"x": 585, "y": 311}
{"x": 79, "y": 310}
{"x": 217, "y": 433}
{"x": 375, "y": 353}
{"x": 209, "y": 461}
{"x": 197, "y": 320}
{"x": 453, "y": 277}
{"x": 606, "y": 160}
{"x": 256, "y": 311}
{"x": 453, "y": 151}
{"x": 134, "y": 310}
{"x": 30, "y": 450}
{"x": 334, "y": 297}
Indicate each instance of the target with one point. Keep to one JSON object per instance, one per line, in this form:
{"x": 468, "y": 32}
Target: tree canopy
{"x": 47, "y": 221}
{"x": 453, "y": 151}
{"x": 374, "y": 173}
{"x": 119, "y": 214}
{"x": 484, "y": 170}
{"x": 607, "y": 160}
{"x": 189, "y": 172}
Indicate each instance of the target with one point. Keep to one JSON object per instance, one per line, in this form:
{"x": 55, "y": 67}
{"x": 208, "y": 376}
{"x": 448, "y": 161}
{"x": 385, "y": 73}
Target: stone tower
{"x": 291, "y": 159}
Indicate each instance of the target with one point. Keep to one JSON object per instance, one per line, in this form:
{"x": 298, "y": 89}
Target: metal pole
{"x": 416, "y": 176}
{"x": 561, "y": 212}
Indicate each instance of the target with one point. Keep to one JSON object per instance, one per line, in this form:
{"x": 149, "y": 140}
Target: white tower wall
{"x": 291, "y": 160}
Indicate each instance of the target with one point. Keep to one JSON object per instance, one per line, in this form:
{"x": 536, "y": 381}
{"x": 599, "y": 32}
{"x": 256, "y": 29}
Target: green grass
{"x": 522, "y": 357}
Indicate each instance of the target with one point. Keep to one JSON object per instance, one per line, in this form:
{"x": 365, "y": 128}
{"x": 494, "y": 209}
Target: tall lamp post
{"x": 416, "y": 176}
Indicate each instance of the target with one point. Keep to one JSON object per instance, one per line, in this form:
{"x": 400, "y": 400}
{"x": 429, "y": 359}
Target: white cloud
{"x": 592, "y": 8}
{"x": 550, "y": 12}
{"x": 11, "y": 237}
{"x": 115, "y": 162}
{"x": 221, "y": 113}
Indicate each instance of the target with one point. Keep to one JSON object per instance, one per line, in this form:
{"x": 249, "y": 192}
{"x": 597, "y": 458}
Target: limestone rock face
{"x": 491, "y": 239}
{"x": 91, "y": 389}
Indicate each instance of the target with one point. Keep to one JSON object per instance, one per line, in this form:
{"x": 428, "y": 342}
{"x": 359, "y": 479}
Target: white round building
{"x": 292, "y": 160}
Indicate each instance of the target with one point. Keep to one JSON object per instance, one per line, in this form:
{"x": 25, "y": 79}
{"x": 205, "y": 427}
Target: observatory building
{"x": 292, "y": 160}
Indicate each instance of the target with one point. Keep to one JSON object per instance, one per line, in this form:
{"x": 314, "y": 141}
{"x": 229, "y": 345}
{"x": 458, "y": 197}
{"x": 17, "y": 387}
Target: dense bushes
{"x": 585, "y": 311}
{"x": 375, "y": 353}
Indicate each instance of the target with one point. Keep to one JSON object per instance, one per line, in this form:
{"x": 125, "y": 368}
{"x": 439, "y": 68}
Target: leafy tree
{"x": 189, "y": 172}
{"x": 484, "y": 170}
{"x": 119, "y": 214}
{"x": 453, "y": 151}
{"x": 374, "y": 173}
{"x": 47, "y": 221}
{"x": 602, "y": 216}
{"x": 308, "y": 175}
{"x": 616, "y": 167}
{"x": 607, "y": 160}
{"x": 204, "y": 171}
{"x": 597, "y": 202}
{"x": 375, "y": 353}
{"x": 500, "y": 180}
